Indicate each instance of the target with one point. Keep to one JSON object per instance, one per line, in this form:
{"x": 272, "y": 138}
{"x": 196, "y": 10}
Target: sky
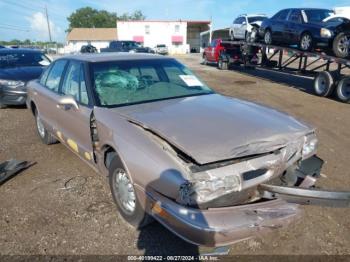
{"x": 25, "y": 19}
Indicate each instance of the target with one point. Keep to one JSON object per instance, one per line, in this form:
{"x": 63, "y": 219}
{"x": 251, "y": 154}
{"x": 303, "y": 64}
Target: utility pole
{"x": 48, "y": 23}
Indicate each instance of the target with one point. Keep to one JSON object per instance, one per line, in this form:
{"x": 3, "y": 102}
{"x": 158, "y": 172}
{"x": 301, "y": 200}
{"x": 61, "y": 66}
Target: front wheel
{"x": 125, "y": 197}
{"x": 341, "y": 45}
{"x": 204, "y": 59}
{"x": 306, "y": 42}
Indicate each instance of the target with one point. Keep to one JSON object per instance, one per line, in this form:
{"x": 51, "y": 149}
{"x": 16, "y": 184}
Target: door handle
{"x": 64, "y": 107}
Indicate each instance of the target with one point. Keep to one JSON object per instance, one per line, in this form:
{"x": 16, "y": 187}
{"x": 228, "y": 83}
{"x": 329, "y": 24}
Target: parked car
{"x": 161, "y": 49}
{"x": 88, "y": 49}
{"x": 306, "y": 28}
{"x": 126, "y": 46}
{"x": 17, "y": 67}
{"x": 225, "y": 54}
{"x": 246, "y": 27}
{"x": 176, "y": 151}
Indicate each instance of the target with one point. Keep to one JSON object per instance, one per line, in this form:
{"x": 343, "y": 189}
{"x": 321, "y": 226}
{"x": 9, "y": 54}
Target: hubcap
{"x": 40, "y": 126}
{"x": 343, "y": 45}
{"x": 268, "y": 37}
{"x": 345, "y": 89}
{"x": 306, "y": 42}
{"x": 125, "y": 191}
{"x": 321, "y": 85}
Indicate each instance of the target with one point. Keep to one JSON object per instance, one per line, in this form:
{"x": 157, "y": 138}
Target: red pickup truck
{"x": 225, "y": 53}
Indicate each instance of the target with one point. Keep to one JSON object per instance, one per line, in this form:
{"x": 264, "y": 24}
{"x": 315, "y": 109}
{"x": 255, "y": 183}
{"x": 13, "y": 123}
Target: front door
{"x": 74, "y": 123}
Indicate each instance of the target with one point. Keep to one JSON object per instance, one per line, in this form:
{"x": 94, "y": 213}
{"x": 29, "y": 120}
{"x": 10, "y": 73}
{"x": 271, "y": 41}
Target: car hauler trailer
{"x": 329, "y": 72}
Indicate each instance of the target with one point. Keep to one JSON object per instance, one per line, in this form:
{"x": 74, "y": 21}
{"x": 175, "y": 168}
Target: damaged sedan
{"x": 212, "y": 169}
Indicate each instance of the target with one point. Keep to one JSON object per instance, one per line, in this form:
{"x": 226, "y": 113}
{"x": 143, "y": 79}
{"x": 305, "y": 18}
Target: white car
{"x": 161, "y": 49}
{"x": 243, "y": 27}
{"x": 339, "y": 12}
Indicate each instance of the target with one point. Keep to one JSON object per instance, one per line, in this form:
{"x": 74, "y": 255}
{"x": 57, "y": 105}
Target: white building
{"x": 180, "y": 37}
{"x": 98, "y": 37}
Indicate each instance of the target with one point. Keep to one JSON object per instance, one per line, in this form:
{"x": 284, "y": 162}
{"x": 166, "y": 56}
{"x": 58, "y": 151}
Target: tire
{"x": 205, "y": 60}
{"x": 340, "y": 48}
{"x": 324, "y": 84}
{"x": 343, "y": 90}
{"x": 43, "y": 134}
{"x": 268, "y": 37}
{"x": 132, "y": 211}
{"x": 306, "y": 42}
{"x": 222, "y": 65}
{"x": 253, "y": 35}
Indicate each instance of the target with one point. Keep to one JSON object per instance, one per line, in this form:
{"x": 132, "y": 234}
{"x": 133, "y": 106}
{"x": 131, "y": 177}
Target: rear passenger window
{"x": 55, "y": 75}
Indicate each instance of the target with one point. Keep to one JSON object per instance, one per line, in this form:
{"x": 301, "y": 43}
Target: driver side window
{"x": 74, "y": 83}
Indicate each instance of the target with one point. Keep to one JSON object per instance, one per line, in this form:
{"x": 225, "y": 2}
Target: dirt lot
{"x": 61, "y": 206}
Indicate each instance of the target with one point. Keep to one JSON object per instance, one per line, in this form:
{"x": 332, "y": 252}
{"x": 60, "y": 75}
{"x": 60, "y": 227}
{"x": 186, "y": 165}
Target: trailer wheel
{"x": 324, "y": 84}
{"x": 222, "y": 65}
{"x": 343, "y": 90}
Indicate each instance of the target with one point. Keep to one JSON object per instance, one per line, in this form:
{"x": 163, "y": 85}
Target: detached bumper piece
{"x": 215, "y": 227}
{"x": 13, "y": 96}
{"x": 9, "y": 169}
{"x": 307, "y": 196}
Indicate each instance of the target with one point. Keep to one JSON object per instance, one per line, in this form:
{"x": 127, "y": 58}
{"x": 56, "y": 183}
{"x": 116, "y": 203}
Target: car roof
{"x": 19, "y": 50}
{"x": 308, "y": 8}
{"x": 112, "y": 56}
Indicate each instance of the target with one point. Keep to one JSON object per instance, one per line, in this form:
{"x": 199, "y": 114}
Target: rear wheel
{"x": 222, "y": 65}
{"x": 44, "y": 135}
{"x": 125, "y": 197}
{"x": 343, "y": 90}
{"x": 268, "y": 37}
{"x": 306, "y": 42}
{"x": 324, "y": 84}
{"x": 341, "y": 45}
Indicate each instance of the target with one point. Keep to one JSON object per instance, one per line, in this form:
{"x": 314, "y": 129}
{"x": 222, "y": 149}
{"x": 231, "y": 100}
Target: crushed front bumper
{"x": 221, "y": 226}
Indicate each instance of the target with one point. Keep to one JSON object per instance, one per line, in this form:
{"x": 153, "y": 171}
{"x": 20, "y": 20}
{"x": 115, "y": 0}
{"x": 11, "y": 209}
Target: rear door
{"x": 292, "y": 27}
{"x": 46, "y": 95}
{"x": 75, "y": 123}
{"x": 279, "y": 25}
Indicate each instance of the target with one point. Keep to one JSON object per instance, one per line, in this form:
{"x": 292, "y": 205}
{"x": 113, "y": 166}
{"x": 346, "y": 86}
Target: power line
{"x": 15, "y": 29}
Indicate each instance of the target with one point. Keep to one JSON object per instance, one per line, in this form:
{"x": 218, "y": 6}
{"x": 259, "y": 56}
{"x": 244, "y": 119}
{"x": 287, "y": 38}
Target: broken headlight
{"x": 193, "y": 193}
{"x": 310, "y": 146}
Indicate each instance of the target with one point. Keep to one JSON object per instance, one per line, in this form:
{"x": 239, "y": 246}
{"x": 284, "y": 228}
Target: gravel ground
{"x": 61, "y": 207}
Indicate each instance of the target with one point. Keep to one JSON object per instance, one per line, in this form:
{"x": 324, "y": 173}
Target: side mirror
{"x": 67, "y": 102}
{"x": 244, "y": 23}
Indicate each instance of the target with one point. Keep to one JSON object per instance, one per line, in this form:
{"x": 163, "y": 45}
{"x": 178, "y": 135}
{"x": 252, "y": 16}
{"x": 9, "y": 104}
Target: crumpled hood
{"x": 211, "y": 128}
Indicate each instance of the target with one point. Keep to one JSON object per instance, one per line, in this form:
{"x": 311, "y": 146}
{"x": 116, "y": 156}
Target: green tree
{"x": 135, "y": 16}
{"x": 88, "y": 17}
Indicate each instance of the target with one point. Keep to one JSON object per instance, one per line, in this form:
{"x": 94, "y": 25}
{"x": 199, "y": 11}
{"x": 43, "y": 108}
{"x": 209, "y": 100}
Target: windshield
{"x": 317, "y": 15}
{"x": 256, "y": 19}
{"x": 160, "y": 45}
{"x": 139, "y": 81}
{"x": 22, "y": 59}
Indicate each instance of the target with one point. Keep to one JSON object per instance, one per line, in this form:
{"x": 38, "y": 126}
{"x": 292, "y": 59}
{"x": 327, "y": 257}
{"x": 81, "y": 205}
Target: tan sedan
{"x": 212, "y": 169}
